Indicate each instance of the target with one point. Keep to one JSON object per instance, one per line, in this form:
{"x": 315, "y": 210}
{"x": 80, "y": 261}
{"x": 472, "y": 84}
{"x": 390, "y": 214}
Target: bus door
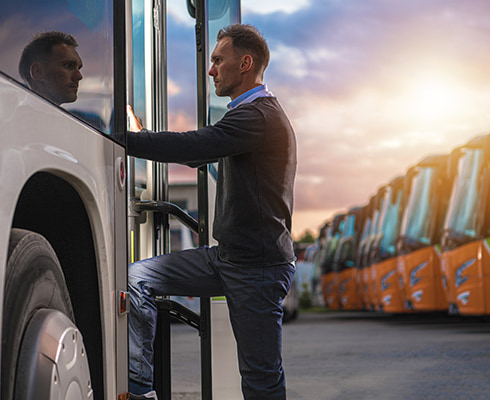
{"x": 344, "y": 263}
{"x": 226, "y": 380}
{"x": 388, "y": 290}
{"x": 157, "y": 57}
{"x": 316, "y": 287}
{"x": 149, "y": 208}
{"x": 328, "y": 281}
{"x": 418, "y": 247}
{"x": 465, "y": 257}
{"x": 369, "y": 253}
{"x": 361, "y": 257}
{"x": 147, "y": 92}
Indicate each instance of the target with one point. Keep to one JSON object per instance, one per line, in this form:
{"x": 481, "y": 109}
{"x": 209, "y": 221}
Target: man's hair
{"x": 246, "y": 39}
{"x": 39, "y": 50}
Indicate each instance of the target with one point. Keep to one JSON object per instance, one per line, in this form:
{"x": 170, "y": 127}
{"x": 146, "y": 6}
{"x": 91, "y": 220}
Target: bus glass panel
{"x": 91, "y": 24}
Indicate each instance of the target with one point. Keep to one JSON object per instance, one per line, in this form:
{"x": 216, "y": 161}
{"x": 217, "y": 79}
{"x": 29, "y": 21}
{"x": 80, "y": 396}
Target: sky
{"x": 371, "y": 88}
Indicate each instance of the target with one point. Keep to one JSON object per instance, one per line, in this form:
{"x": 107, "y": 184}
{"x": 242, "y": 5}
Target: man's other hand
{"x": 135, "y": 123}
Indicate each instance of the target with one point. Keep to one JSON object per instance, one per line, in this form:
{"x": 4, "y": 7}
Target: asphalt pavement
{"x": 366, "y": 356}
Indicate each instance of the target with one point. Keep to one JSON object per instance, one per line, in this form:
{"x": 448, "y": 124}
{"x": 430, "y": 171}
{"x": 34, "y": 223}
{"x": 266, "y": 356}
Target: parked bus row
{"x": 420, "y": 244}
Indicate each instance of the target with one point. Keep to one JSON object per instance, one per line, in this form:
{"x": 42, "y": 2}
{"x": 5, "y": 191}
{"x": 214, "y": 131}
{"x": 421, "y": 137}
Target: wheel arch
{"x": 52, "y": 207}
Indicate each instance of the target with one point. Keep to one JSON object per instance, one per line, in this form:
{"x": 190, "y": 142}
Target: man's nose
{"x": 78, "y": 75}
{"x": 212, "y": 71}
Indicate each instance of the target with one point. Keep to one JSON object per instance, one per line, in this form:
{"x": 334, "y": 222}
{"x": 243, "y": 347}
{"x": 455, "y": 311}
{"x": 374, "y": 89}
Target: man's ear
{"x": 37, "y": 71}
{"x": 246, "y": 63}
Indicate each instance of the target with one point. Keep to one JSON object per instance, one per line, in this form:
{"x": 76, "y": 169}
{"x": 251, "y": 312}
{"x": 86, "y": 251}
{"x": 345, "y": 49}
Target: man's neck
{"x": 250, "y": 95}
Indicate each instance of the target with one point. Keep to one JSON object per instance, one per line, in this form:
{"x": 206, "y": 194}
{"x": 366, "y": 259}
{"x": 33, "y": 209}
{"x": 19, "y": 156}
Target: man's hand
{"x": 135, "y": 123}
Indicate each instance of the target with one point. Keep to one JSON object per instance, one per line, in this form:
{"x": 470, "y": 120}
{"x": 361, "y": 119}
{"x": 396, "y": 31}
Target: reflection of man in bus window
{"x": 50, "y": 66}
{"x": 253, "y": 264}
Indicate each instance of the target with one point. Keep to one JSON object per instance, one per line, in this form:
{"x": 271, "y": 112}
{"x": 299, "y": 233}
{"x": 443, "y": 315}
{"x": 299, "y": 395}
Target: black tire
{"x": 33, "y": 281}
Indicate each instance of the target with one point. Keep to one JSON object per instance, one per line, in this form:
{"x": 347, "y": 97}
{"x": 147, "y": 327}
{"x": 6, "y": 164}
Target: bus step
{"x": 179, "y": 312}
{"x": 168, "y": 309}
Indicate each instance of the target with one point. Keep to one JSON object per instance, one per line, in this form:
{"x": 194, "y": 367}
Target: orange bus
{"x": 368, "y": 273}
{"x": 316, "y": 279}
{"x": 389, "y": 295}
{"x": 348, "y": 296}
{"x": 326, "y": 259}
{"x": 362, "y": 284}
{"x": 418, "y": 248}
{"x": 465, "y": 243}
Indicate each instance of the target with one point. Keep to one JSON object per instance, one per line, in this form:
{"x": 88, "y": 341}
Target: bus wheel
{"x": 52, "y": 361}
{"x": 42, "y": 350}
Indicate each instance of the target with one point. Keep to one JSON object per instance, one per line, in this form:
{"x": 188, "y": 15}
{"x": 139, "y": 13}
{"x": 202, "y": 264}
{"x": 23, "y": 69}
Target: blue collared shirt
{"x": 251, "y": 95}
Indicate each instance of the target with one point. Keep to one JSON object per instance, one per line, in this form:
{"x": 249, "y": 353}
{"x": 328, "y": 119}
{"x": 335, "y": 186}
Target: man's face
{"x": 225, "y": 69}
{"x": 61, "y": 74}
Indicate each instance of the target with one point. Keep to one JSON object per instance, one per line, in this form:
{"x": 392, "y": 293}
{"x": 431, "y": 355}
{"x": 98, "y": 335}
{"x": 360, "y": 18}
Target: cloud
{"x": 289, "y": 61}
{"x": 347, "y": 148}
{"x": 173, "y": 88}
{"x": 347, "y": 75}
{"x": 352, "y": 76}
{"x": 273, "y": 6}
{"x": 181, "y": 121}
{"x": 179, "y": 14}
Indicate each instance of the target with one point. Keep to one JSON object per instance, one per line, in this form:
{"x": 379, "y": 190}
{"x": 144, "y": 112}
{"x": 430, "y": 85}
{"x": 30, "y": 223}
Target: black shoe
{"x": 147, "y": 396}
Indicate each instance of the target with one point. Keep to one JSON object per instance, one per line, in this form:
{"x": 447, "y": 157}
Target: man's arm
{"x": 238, "y": 132}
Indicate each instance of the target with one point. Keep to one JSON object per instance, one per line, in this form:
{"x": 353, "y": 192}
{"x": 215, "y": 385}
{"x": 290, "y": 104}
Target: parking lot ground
{"x": 366, "y": 356}
{"x": 342, "y": 355}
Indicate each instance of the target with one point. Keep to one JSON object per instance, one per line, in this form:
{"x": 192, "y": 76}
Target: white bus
{"x": 71, "y": 214}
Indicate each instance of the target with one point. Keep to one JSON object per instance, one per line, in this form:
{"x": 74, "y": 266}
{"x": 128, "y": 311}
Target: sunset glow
{"x": 432, "y": 98}
{"x": 371, "y": 88}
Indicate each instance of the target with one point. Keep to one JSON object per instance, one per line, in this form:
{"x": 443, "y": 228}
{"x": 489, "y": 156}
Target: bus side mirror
{"x": 217, "y": 9}
{"x": 191, "y": 8}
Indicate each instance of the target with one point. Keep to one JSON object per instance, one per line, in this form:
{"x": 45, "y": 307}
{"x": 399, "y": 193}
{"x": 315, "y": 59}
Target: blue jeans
{"x": 254, "y": 296}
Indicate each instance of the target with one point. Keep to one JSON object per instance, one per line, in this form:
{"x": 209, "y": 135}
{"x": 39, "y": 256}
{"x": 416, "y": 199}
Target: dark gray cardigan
{"x": 255, "y": 147}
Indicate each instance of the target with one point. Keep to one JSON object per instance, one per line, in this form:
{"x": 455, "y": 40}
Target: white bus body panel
{"x": 226, "y": 376}
{"x": 37, "y": 136}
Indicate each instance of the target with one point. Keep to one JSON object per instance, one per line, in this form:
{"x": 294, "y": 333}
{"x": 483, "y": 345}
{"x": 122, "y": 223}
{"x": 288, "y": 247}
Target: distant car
{"x": 290, "y": 304}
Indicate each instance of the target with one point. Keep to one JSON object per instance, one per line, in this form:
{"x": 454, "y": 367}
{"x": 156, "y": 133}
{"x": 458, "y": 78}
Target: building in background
{"x": 183, "y": 195}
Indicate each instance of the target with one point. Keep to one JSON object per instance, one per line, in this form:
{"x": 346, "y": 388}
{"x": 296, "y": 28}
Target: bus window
{"x": 461, "y": 217}
{"x": 141, "y": 101}
{"x": 221, "y": 14}
{"x": 84, "y": 69}
{"x": 416, "y": 224}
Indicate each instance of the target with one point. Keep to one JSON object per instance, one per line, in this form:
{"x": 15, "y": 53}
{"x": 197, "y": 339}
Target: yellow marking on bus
{"x": 132, "y": 247}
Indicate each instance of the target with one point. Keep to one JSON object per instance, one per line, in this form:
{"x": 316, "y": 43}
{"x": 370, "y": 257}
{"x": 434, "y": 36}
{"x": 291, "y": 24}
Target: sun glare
{"x": 434, "y": 98}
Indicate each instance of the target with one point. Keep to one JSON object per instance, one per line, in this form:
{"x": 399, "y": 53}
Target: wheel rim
{"x": 53, "y": 362}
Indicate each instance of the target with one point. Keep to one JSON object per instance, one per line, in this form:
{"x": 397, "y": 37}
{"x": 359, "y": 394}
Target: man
{"x": 253, "y": 264}
{"x": 50, "y": 66}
